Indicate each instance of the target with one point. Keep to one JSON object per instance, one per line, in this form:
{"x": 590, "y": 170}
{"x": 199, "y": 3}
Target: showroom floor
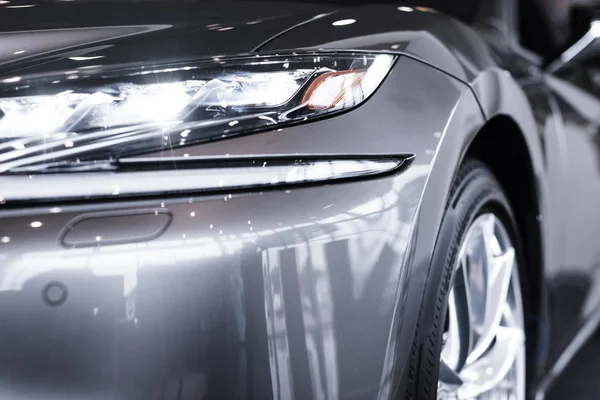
{"x": 581, "y": 379}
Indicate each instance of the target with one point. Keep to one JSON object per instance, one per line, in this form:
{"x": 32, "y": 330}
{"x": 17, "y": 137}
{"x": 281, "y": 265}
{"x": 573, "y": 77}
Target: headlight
{"x": 89, "y": 120}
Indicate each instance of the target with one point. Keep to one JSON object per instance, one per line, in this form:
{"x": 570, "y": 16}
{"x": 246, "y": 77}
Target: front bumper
{"x": 277, "y": 292}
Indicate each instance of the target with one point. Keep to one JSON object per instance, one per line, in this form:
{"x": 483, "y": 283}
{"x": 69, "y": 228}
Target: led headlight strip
{"x": 140, "y": 177}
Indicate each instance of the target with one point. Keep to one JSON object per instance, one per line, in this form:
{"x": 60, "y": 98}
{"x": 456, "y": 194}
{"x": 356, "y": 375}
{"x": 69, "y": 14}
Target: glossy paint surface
{"x": 293, "y": 292}
{"x": 137, "y": 32}
{"x": 422, "y": 33}
{"x": 270, "y": 289}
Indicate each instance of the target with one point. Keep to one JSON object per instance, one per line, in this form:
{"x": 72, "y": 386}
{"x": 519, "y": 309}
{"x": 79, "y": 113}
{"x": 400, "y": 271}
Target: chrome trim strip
{"x": 573, "y": 51}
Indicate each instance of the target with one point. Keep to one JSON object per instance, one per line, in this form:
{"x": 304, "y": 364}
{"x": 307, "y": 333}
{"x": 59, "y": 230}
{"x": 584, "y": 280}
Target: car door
{"x": 565, "y": 103}
{"x": 574, "y": 277}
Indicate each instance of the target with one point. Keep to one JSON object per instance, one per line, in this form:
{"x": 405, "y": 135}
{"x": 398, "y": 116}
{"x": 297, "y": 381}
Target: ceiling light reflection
{"x": 82, "y": 58}
{"x": 344, "y": 22}
{"x": 12, "y": 80}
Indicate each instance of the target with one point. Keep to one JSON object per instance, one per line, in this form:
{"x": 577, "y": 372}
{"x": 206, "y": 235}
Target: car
{"x": 246, "y": 199}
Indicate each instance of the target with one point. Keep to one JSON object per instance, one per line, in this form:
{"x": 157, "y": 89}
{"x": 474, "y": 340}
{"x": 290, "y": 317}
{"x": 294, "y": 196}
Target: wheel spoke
{"x": 459, "y": 337}
{"x": 476, "y": 261}
{"x": 492, "y": 246}
{"x": 488, "y": 372}
{"x": 498, "y": 283}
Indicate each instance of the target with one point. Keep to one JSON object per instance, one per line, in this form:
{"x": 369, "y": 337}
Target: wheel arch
{"x": 500, "y": 144}
{"x": 511, "y": 144}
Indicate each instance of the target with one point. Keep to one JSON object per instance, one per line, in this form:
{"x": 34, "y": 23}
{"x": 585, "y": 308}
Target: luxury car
{"x": 296, "y": 200}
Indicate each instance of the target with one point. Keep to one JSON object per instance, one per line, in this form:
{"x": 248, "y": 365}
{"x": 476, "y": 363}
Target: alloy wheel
{"x": 483, "y": 351}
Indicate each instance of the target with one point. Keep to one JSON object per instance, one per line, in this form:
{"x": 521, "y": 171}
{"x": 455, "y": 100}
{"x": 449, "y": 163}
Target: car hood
{"x": 67, "y": 35}
{"x": 84, "y": 37}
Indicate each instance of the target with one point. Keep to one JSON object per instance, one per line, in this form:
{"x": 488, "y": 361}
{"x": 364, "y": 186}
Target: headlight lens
{"x": 90, "y": 119}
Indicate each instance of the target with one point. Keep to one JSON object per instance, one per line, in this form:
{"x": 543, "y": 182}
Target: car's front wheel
{"x": 472, "y": 337}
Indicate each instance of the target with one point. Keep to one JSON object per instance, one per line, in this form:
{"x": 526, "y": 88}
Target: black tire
{"x": 475, "y": 191}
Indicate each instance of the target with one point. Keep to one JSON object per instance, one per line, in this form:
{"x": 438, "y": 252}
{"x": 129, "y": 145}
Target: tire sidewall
{"x": 475, "y": 192}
